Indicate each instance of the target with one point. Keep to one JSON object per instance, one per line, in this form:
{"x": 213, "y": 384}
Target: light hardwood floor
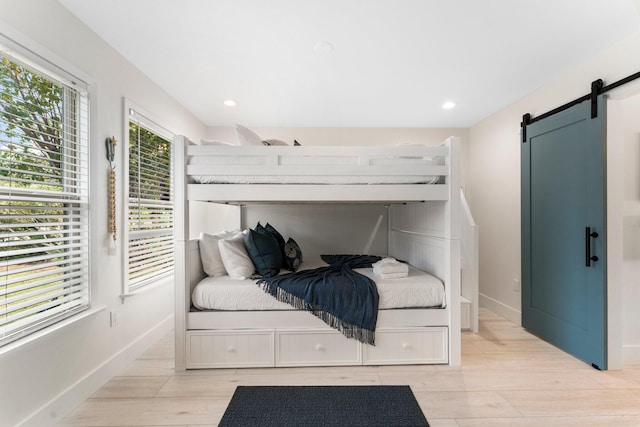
{"x": 508, "y": 378}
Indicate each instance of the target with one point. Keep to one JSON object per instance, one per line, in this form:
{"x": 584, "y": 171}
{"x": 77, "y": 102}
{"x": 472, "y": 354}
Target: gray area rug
{"x": 323, "y": 406}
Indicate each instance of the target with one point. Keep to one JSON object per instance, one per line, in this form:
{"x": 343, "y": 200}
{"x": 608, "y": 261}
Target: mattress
{"x": 418, "y": 289}
{"x": 314, "y": 179}
{"x": 315, "y": 161}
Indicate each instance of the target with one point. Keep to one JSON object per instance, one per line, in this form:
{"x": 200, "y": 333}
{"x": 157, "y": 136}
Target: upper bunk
{"x": 316, "y": 174}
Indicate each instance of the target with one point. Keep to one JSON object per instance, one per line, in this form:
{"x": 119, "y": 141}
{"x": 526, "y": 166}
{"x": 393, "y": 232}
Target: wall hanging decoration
{"x": 111, "y": 191}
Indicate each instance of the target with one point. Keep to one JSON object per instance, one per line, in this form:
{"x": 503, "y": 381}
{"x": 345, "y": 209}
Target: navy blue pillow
{"x": 271, "y": 230}
{"x": 292, "y": 255}
{"x": 265, "y": 253}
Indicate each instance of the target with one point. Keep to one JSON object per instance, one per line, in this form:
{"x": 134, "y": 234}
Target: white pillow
{"x": 246, "y": 136}
{"x": 210, "y": 253}
{"x": 235, "y": 258}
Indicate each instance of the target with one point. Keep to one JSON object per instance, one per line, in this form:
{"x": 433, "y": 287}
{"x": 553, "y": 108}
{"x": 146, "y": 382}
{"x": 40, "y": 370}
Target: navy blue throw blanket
{"x": 342, "y": 298}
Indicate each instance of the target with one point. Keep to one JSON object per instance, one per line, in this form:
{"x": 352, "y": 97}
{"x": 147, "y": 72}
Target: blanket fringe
{"x": 350, "y": 331}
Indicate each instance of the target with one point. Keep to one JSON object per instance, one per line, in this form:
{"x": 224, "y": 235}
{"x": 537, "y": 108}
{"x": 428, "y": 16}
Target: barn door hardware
{"x": 597, "y": 88}
{"x": 526, "y": 119}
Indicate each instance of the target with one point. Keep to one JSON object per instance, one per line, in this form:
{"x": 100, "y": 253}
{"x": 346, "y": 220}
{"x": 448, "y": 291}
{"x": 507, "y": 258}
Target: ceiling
{"x": 355, "y": 63}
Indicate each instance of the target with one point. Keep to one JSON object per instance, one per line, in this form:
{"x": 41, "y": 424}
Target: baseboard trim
{"x": 501, "y": 309}
{"x": 58, "y": 407}
{"x": 631, "y": 355}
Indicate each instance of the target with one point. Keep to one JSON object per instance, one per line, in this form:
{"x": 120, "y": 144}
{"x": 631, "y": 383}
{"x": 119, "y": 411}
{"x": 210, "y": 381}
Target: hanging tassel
{"x": 112, "y": 208}
{"x": 110, "y": 144}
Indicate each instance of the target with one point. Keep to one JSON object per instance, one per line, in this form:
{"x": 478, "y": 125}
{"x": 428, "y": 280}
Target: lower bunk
{"x": 409, "y": 329}
{"x": 235, "y": 324}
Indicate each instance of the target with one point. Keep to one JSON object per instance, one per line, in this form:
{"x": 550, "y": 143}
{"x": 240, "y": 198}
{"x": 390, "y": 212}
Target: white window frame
{"x": 144, "y": 119}
{"x": 72, "y": 282}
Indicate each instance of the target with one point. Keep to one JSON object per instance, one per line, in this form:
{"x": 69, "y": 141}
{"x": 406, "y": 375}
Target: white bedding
{"x": 418, "y": 289}
{"x": 327, "y": 161}
{"x": 313, "y": 179}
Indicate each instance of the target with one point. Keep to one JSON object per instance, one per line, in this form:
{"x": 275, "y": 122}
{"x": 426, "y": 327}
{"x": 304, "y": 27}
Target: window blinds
{"x": 44, "y": 197}
{"x": 150, "y": 203}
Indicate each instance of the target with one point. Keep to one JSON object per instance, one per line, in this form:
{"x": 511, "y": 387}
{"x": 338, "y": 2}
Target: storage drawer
{"x": 317, "y": 348}
{"x": 408, "y": 346}
{"x": 222, "y": 349}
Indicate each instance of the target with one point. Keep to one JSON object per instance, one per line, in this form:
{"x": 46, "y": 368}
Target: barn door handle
{"x": 587, "y": 243}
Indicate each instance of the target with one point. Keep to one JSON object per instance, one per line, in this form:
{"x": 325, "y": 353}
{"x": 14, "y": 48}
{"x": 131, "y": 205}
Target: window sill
{"x": 38, "y": 335}
{"x": 160, "y": 283}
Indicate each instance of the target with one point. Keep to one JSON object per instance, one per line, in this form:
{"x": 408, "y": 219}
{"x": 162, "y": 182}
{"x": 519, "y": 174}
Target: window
{"x": 149, "y": 199}
{"x": 44, "y": 194}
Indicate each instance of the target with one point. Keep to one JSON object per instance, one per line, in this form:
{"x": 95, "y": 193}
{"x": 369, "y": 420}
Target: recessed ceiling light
{"x": 323, "y": 47}
{"x": 448, "y": 105}
{"x": 230, "y": 103}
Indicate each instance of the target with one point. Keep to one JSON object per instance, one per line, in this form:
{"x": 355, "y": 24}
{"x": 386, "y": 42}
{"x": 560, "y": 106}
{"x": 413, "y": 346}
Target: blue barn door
{"x": 564, "y": 232}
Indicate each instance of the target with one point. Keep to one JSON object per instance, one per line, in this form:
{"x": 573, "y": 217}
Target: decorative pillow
{"x": 270, "y": 229}
{"x": 235, "y": 258}
{"x": 265, "y": 253}
{"x": 246, "y": 136}
{"x": 210, "y": 253}
{"x": 259, "y": 228}
{"x": 274, "y": 142}
{"x": 292, "y": 255}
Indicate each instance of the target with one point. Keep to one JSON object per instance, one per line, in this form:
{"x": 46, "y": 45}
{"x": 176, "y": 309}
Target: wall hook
{"x": 111, "y": 143}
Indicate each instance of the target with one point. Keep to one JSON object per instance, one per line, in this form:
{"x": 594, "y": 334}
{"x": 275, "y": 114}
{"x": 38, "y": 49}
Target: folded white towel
{"x": 388, "y": 266}
{"x": 386, "y": 270}
{"x": 392, "y": 275}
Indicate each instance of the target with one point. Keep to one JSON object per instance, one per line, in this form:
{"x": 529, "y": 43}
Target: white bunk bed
{"x": 423, "y": 229}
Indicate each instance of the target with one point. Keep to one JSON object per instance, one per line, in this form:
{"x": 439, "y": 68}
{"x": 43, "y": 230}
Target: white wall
{"x": 624, "y": 194}
{"x": 494, "y": 183}
{"x": 42, "y": 379}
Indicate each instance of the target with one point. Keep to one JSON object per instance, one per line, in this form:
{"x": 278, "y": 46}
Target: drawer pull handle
{"x": 319, "y": 347}
{"x": 231, "y": 349}
{"x": 405, "y": 345}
